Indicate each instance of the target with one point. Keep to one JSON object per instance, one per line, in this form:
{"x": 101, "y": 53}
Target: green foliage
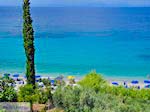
{"x": 42, "y": 97}
{"x": 46, "y": 82}
{"x": 93, "y": 81}
{"x": 94, "y": 95}
{"x": 60, "y": 83}
{"x": 57, "y": 97}
{"x": 3, "y": 110}
{"x": 49, "y": 94}
{"x": 87, "y": 100}
{"x": 7, "y": 93}
{"x": 27, "y": 93}
{"x": 66, "y": 98}
{"x": 28, "y": 35}
{"x": 8, "y": 80}
{"x": 70, "y": 98}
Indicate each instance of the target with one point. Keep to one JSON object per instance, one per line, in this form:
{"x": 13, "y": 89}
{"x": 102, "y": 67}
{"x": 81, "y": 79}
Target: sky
{"x": 101, "y": 3}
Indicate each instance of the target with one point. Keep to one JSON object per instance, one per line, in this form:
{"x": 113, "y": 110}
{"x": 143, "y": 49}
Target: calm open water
{"x": 112, "y": 41}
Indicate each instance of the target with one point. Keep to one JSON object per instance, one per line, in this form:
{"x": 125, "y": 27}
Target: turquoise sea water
{"x": 74, "y": 41}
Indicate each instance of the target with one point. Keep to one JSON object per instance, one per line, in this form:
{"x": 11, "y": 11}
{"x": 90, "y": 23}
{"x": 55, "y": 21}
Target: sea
{"x": 114, "y": 42}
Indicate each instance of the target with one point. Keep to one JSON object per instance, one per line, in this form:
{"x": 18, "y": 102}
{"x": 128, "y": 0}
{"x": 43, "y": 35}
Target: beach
{"x": 119, "y": 81}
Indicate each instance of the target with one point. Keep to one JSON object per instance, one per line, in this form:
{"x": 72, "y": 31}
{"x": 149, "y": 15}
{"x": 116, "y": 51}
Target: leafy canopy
{"x": 93, "y": 81}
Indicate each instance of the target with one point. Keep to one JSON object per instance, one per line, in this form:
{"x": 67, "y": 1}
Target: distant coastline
{"x": 81, "y": 76}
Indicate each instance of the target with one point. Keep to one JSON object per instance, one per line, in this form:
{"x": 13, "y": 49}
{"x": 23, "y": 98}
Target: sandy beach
{"x": 120, "y": 80}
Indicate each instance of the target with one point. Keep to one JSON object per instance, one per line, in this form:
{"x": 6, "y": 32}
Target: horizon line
{"x": 81, "y": 6}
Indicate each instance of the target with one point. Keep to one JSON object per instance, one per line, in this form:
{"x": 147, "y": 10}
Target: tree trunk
{"x": 28, "y": 35}
{"x": 31, "y": 106}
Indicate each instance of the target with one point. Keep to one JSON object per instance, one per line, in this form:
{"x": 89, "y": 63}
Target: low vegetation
{"x": 92, "y": 94}
{"x": 7, "y": 92}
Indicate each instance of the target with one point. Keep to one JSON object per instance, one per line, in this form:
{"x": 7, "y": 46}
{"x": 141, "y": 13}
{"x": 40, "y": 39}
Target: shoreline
{"x": 79, "y": 77}
{"x": 110, "y": 80}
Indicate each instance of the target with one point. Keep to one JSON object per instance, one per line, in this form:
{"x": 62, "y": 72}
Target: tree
{"x": 27, "y": 93}
{"x": 28, "y": 35}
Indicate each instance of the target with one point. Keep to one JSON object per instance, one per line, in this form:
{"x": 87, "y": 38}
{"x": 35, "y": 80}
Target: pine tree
{"x": 28, "y": 35}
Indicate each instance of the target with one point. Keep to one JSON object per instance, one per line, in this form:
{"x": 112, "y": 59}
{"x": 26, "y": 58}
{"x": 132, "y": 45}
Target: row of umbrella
{"x": 36, "y": 76}
{"x": 136, "y": 81}
{"x": 17, "y": 76}
{"x": 133, "y": 82}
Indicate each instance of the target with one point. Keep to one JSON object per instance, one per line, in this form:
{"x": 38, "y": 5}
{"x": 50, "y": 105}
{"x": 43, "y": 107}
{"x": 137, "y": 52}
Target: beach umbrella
{"x": 52, "y": 81}
{"x": 6, "y": 75}
{"x": 115, "y": 83}
{"x": 37, "y": 76}
{"x": 16, "y": 75}
{"x": 59, "y": 78}
{"x": 147, "y": 81}
{"x": 135, "y": 82}
{"x": 37, "y": 80}
{"x": 70, "y": 77}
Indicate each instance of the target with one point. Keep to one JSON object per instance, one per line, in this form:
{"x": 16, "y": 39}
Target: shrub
{"x": 42, "y": 97}
{"x": 57, "y": 97}
{"x": 27, "y": 93}
{"x": 71, "y": 98}
{"x": 7, "y": 93}
{"x": 92, "y": 81}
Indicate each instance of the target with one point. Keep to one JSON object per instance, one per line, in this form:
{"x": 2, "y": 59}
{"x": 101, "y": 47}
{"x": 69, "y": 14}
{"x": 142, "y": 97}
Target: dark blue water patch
{"x": 147, "y": 48}
{"x": 145, "y": 57}
{"x": 68, "y": 34}
{"x": 129, "y": 35}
